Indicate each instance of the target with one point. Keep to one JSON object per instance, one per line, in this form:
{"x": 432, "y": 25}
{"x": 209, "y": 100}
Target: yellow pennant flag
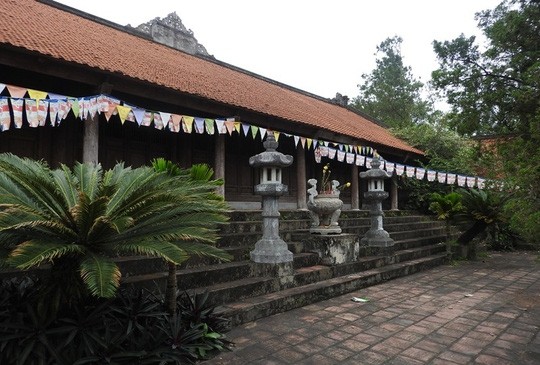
{"x": 187, "y": 123}
{"x": 35, "y": 94}
{"x": 276, "y": 136}
{"x": 309, "y": 142}
{"x": 123, "y": 112}
{"x": 237, "y": 126}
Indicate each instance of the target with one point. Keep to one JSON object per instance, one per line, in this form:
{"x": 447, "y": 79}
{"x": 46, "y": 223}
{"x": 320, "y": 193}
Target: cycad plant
{"x": 198, "y": 173}
{"x": 79, "y": 220}
{"x": 446, "y": 207}
{"x": 481, "y": 209}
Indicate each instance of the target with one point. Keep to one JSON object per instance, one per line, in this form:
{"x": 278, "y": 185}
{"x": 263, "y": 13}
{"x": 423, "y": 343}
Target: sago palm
{"x": 446, "y": 207}
{"x": 200, "y": 173}
{"x": 79, "y": 220}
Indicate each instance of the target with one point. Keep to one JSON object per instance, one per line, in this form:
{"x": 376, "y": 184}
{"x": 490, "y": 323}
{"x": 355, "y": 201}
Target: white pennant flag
{"x": 296, "y": 139}
{"x": 5, "y": 117}
{"x": 350, "y": 158}
{"x": 199, "y": 125}
{"x": 441, "y": 177}
{"x": 480, "y": 183}
{"x": 400, "y": 169}
{"x": 431, "y": 175}
{"x": 165, "y": 117}
{"x": 340, "y": 155}
{"x": 220, "y": 123}
{"x": 390, "y": 166}
{"x": 409, "y": 171}
{"x": 450, "y": 179}
{"x": 420, "y": 173}
{"x": 471, "y": 181}
{"x": 360, "y": 160}
{"x": 53, "y": 111}
{"x": 139, "y": 114}
{"x": 263, "y": 133}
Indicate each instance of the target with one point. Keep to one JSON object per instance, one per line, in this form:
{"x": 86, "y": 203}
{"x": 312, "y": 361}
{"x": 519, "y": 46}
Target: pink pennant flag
{"x": 400, "y": 169}
{"x": 53, "y": 111}
{"x": 42, "y": 111}
{"x": 303, "y": 142}
{"x": 31, "y": 112}
{"x": 350, "y": 158}
{"x": 199, "y": 125}
{"x": 17, "y": 108}
{"x": 229, "y": 124}
{"x": 431, "y": 175}
{"x": 441, "y": 177}
{"x": 175, "y": 123}
{"x": 63, "y": 109}
{"x": 340, "y": 155}
{"x": 110, "y": 108}
{"x": 420, "y": 173}
{"x": 409, "y": 171}
{"x": 5, "y": 116}
{"x": 16, "y": 91}
{"x": 83, "y": 108}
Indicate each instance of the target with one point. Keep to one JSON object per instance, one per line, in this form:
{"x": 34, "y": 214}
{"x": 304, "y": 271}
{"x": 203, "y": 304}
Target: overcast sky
{"x": 318, "y": 46}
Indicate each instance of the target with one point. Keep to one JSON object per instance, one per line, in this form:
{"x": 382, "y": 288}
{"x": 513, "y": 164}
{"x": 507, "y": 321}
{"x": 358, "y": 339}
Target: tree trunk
{"x": 467, "y": 237}
{"x": 170, "y": 292}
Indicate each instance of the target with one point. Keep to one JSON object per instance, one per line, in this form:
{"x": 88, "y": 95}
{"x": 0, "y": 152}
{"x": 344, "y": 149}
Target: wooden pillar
{"x": 219, "y": 161}
{"x": 91, "y": 140}
{"x": 394, "y": 192}
{"x": 355, "y": 191}
{"x": 301, "y": 178}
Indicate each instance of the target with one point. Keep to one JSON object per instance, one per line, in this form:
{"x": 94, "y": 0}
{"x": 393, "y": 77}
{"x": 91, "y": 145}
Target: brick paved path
{"x": 470, "y": 313}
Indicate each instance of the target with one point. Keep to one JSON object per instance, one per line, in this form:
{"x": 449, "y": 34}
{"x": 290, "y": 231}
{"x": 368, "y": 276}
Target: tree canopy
{"x": 390, "y": 92}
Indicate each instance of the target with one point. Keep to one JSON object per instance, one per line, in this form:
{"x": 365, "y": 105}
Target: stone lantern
{"x": 376, "y": 236}
{"x": 270, "y": 249}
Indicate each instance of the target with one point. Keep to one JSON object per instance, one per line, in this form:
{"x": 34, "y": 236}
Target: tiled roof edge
{"x": 133, "y": 31}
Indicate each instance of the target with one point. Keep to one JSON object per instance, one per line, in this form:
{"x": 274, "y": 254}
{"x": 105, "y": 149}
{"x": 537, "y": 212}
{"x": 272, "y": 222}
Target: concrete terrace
{"x": 483, "y": 312}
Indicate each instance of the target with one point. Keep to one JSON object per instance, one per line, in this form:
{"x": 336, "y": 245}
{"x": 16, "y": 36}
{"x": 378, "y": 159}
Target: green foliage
{"x": 78, "y": 220}
{"x": 495, "y": 91}
{"x": 390, "y": 93}
{"x": 445, "y": 207}
{"x": 130, "y": 329}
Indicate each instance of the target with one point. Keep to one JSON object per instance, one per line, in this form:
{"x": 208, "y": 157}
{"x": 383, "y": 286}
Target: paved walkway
{"x": 485, "y": 312}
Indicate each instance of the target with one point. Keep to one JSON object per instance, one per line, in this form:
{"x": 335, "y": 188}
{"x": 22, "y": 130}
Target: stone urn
{"x": 325, "y": 209}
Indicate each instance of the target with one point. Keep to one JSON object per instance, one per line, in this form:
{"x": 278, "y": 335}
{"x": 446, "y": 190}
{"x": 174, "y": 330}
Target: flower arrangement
{"x": 331, "y": 186}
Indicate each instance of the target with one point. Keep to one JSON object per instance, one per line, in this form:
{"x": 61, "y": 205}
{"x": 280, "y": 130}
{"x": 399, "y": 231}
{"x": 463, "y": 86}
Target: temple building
{"x": 75, "y": 87}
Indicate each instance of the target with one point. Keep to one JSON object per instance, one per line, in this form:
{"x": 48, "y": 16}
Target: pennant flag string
{"x": 40, "y": 107}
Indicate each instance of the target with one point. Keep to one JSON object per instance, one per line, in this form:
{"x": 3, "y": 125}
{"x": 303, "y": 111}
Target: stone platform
{"x": 333, "y": 249}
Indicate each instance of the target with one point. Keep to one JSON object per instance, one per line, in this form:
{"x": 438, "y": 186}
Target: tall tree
{"x": 496, "y": 90}
{"x": 390, "y": 92}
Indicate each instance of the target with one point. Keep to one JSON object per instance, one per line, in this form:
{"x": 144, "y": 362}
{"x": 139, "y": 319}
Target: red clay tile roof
{"x": 42, "y": 28}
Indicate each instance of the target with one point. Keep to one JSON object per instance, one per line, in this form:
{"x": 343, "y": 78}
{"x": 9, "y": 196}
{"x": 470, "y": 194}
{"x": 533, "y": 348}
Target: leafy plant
{"x": 78, "y": 220}
{"x": 446, "y": 207}
{"x": 201, "y": 174}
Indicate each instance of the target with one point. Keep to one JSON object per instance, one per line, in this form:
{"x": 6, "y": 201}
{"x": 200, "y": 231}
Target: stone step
{"x": 250, "y": 309}
{"x": 205, "y": 275}
{"x": 417, "y": 233}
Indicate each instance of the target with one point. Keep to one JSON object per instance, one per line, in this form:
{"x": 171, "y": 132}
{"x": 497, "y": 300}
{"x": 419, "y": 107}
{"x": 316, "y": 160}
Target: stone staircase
{"x": 243, "y": 295}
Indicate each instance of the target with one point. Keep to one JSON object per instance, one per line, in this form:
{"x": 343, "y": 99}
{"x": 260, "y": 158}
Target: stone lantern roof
{"x": 375, "y": 172}
{"x": 270, "y": 157}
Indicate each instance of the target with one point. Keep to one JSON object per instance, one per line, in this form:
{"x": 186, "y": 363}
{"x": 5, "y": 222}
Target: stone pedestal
{"x": 333, "y": 249}
{"x": 376, "y": 236}
{"x": 284, "y": 271}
